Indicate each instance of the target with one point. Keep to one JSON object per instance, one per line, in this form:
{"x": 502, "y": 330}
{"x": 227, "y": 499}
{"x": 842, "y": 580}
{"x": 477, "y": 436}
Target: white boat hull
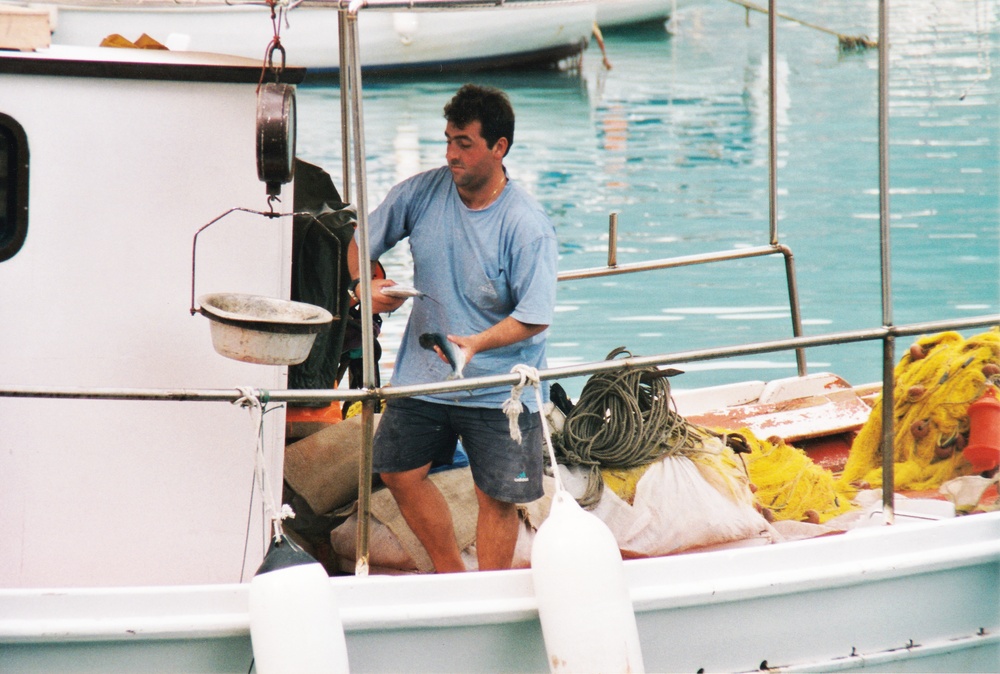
{"x": 614, "y": 13}
{"x": 403, "y": 41}
{"x": 914, "y": 597}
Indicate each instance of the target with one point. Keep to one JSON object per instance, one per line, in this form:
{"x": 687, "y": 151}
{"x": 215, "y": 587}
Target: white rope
{"x": 512, "y": 408}
{"x": 250, "y": 398}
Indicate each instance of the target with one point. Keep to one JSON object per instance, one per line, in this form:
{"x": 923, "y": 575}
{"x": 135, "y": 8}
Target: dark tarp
{"x": 319, "y": 270}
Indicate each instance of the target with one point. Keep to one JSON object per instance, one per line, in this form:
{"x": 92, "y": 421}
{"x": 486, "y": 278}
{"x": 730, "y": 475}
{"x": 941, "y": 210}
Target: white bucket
{"x": 264, "y": 330}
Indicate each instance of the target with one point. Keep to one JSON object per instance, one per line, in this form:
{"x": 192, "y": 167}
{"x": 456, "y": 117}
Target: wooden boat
{"x": 402, "y": 40}
{"x": 130, "y": 448}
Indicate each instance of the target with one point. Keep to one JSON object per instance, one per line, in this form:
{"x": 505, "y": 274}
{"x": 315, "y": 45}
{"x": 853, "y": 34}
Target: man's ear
{"x": 500, "y": 147}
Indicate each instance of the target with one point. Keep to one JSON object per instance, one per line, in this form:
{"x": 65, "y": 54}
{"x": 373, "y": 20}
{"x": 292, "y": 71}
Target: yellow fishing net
{"x": 790, "y": 485}
{"x": 623, "y": 481}
{"x": 353, "y": 410}
{"x": 936, "y": 381}
{"x": 935, "y": 384}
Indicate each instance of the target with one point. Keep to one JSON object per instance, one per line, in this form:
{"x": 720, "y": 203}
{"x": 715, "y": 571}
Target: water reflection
{"x": 675, "y": 140}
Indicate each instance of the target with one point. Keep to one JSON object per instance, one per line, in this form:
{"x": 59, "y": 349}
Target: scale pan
{"x": 264, "y": 330}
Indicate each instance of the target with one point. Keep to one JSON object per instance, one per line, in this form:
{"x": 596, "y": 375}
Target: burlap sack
{"x": 394, "y": 547}
{"x": 323, "y": 467}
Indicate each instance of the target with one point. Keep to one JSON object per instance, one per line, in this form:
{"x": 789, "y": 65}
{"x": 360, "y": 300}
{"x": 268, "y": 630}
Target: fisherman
{"x": 485, "y": 252}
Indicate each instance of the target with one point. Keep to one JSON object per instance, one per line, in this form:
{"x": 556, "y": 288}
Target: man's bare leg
{"x": 426, "y": 512}
{"x": 496, "y": 532}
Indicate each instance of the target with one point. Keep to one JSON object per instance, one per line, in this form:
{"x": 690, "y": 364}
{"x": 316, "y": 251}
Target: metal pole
{"x": 353, "y": 66}
{"x": 772, "y": 114}
{"x": 300, "y": 396}
{"x": 670, "y": 262}
{"x": 345, "y": 108}
{"x": 772, "y": 175}
{"x": 613, "y": 240}
{"x": 793, "y": 302}
{"x": 888, "y": 347}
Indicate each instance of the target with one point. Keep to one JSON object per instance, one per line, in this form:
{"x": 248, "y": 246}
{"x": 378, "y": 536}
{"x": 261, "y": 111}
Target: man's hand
{"x": 466, "y": 344}
{"x": 383, "y": 304}
{"x": 507, "y": 331}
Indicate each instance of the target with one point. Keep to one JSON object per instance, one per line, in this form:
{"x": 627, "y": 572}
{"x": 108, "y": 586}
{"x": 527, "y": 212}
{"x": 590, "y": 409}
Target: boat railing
{"x": 613, "y": 269}
{"x": 309, "y": 396}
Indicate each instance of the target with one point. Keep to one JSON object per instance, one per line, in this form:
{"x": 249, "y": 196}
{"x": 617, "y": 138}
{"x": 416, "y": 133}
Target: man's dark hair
{"x": 487, "y": 105}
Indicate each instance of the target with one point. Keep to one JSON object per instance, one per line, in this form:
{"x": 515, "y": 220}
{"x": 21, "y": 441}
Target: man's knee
{"x": 488, "y": 503}
{"x": 406, "y": 479}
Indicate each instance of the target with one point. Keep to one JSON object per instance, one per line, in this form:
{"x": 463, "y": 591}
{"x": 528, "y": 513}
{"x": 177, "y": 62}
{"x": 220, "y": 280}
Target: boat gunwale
{"x": 373, "y": 602}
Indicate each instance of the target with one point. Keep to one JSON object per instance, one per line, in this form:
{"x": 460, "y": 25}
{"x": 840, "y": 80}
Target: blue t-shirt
{"x": 479, "y": 267}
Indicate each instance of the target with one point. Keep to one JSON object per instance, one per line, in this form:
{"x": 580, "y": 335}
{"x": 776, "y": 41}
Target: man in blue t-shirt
{"x": 485, "y": 252}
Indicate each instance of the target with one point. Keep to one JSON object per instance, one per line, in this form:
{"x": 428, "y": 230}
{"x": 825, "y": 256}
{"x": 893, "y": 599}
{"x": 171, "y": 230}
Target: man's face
{"x": 472, "y": 163}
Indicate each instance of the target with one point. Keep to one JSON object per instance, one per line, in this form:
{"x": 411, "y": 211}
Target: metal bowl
{"x": 264, "y": 330}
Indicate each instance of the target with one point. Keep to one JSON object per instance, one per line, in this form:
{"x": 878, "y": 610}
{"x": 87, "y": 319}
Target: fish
{"x": 406, "y": 292}
{"x": 454, "y": 354}
{"x": 401, "y": 291}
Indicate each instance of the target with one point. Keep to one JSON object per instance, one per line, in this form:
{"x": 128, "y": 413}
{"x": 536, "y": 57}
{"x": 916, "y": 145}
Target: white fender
{"x": 295, "y": 624}
{"x": 588, "y": 622}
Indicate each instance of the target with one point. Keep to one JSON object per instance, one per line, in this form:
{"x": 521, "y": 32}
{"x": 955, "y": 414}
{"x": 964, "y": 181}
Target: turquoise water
{"x": 675, "y": 140}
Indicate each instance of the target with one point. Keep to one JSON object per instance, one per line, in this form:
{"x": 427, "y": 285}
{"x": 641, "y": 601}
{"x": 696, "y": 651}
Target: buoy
{"x": 588, "y": 622}
{"x": 294, "y": 620}
{"x": 983, "y": 450}
{"x": 920, "y": 429}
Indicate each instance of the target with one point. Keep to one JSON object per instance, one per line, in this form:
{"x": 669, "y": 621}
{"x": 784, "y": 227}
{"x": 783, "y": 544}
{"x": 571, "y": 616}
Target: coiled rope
{"x": 623, "y": 419}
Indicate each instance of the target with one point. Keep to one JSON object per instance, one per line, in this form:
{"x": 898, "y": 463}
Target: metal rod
{"x": 351, "y": 395}
{"x": 772, "y": 116}
{"x": 670, "y": 262}
{"x": 928, "y": 327}
{"x": 793, "y": 302}
{"x": 613, "y": 240}
{"x": 888, "y": 430}
{"x": 883, "y": 162}
{"x": 345, "y": 107}
{"x": 888, "y": 350}
{"x": 194, "y": 242}
{"x": 367, "y": 329}
{"x": 361, "y": 564}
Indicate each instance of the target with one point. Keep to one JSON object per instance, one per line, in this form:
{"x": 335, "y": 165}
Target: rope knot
{"x": 248, "y": 397}
{"x": 252, "y": 398}
{"x": 513, "y": 407}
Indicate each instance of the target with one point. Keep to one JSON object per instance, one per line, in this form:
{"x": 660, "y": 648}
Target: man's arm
{"x": 381, "y": 304}
{"x": 508, "y": 331}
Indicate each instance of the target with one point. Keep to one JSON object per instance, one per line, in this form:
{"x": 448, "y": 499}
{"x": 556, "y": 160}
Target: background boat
{"x": 391, "y": 41}
{"x": 619, "y": 13}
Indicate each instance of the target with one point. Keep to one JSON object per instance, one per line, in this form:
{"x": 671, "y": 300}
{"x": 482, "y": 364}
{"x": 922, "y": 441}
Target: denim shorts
{"x": 413, "y": 433}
